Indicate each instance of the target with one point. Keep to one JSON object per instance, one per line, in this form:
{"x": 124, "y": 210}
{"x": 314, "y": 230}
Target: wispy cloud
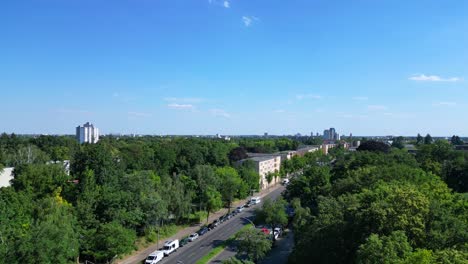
{"x": 377, "y": 107}
{"x": 139, "y": 114}
{"x": 181, "y": 106}
{"x": 223, "y": 3}
{"x": 360, "y": 98}
{"x": 433, "y": 78}
{"x": 220, "y": 113}
{"x": 72, "y": 111}
{"x": 444, "y": 104}
{"x": 183, "y": 99}
{"x": 248, "y": 20}
{"x": 279, "y": 111}
{"x": 308, "y": 96}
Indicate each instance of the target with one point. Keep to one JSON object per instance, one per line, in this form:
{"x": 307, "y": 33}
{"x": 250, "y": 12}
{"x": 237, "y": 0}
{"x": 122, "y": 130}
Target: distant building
{"x": 6, "y": 175}
{"x": 330, "y": 134}
{"x": 265, "y": 134}
{"x": 302, "y": 150}
{"x": 265, "y": 165}
{"x": 87, "y": 133}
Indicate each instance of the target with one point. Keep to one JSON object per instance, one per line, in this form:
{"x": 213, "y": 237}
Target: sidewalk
{"x": 139, "y": 256}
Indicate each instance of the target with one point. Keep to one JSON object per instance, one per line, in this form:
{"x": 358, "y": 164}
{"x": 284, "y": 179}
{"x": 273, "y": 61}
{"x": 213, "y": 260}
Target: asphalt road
{"x": 193, "y": 251}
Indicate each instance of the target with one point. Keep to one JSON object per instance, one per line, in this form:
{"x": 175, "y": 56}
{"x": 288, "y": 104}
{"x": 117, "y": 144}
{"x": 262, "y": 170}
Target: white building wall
{"x": 6, "y": 175}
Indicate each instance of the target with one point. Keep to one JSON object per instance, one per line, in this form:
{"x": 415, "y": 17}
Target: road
{"x": 193, "y": 251}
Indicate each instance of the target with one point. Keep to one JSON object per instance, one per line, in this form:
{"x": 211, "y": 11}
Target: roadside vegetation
{"x": 120, "y": 192}
{"x": 383, "y": 205}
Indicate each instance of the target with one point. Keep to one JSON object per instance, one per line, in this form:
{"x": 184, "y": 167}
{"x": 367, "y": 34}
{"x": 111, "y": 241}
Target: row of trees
{"x": 382, "y": 206}
{"x": 118, "y": 190}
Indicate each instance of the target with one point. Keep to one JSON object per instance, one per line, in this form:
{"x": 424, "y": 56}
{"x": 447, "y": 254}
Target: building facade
{"x": 87, "y": 133}
{"x": 265, "y": 165}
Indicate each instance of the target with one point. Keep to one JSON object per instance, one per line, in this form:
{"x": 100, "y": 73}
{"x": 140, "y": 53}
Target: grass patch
{"x": 215, "y": 251}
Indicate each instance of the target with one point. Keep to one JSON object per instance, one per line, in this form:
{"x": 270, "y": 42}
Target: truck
{"x": 170, "y": 247}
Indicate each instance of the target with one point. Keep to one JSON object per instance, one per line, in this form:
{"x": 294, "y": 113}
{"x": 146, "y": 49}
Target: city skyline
{"x": 234, "y": 67}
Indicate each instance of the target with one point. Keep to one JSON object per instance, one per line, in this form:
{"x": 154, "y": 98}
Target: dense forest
{"x": 119, "y": 191}
{"x": 382, "y": 205}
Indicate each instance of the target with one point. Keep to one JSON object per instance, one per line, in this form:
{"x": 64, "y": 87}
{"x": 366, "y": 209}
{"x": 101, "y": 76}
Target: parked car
{"x": 278, "y": 231}
{"x": 211, "y": 226}
{"x": 216, "y": 222}
{"x": 255, "y": 200}
{"x": 239, "y": 209}
{"x": 285, "y": 182}
{"x": 193, "y": 237}
{"x": 170, "y": 247}
{"x": 202, "y": 231}
{"x": 248, "y": 204}
{"x": 184, "y": 241}
{"x": 154, "y": 257}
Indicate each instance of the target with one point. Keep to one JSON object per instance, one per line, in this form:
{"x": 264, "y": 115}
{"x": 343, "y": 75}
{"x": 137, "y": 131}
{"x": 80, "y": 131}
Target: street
{"x": 193, "y": 251}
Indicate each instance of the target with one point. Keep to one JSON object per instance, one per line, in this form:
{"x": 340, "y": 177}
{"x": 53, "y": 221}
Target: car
{"x": 211, "y": 226}
{"x": 216, "y": 222}
{"x": 255, "y": 200}
{"x": 184, "y": 241}
{"x": 170, "y": 247}
{"x": 239, "y": 209}
{"x": 154, "y": 257}
{"x": 248, "y": 204}
{"x": 193, "y": 237}
{"x": 202, "y": 231}
{"x": 285, "y": 182}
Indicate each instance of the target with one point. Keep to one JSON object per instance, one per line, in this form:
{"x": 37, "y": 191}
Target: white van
{"x": 154, "y": 257}
{"x": 170, "y": 246}
{"x": 255, "y": 200}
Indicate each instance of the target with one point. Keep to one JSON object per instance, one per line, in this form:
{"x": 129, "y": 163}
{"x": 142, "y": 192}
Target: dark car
{"x": 211, "y": 226}
{"x": 216, "y": 222}
{"x": 184, "y": 241}
{"x": 224, "y": 218}
{"x": 202, "y": 231}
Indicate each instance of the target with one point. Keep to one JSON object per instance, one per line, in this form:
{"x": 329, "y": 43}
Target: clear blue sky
{"x": 234, "y": 67}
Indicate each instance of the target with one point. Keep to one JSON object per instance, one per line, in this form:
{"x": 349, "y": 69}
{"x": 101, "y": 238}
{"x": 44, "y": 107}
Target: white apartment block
{"x": 6, "y": 175}
{"x": 265, "y": 165}
{"x": 87, "y": 133}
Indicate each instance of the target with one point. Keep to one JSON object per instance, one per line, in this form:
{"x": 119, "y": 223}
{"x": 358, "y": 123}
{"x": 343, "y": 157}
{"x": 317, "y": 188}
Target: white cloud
{"x": 220, "y": 113}
{"x": 139, "y": 114}
{"x": 433, "y": 78}
{"x": 360, "y": 98}
{"x": 223, "y": 3}
{"x": 308, "y": 96}
{"x": 180, "y": 106}
{"x": 444, "y": 104}
{"x": 248, "y": 20}
{"x": 376, "y": 107}
{"x": 183, "y": 99}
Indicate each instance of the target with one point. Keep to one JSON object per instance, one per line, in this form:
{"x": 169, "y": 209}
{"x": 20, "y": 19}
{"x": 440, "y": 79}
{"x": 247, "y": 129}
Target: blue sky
{"x": 234, "y": 67}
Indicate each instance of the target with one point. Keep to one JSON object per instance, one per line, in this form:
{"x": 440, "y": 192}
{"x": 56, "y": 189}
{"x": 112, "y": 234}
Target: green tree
{"x": 385, "y": 249}
{"x": 213, "y": 201}
{"x": 419, "y": 139}
{"x": 273, "y": 213}
{"x": 398, "y": 142}
{"x": 230, "y": 184}
{"x": 254, "y": 243}
{"x": 112, "y": 240}
{"x": 428, "y": 139}
{"x": 376, "y": 146}
{"x": 455, "y": 140}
